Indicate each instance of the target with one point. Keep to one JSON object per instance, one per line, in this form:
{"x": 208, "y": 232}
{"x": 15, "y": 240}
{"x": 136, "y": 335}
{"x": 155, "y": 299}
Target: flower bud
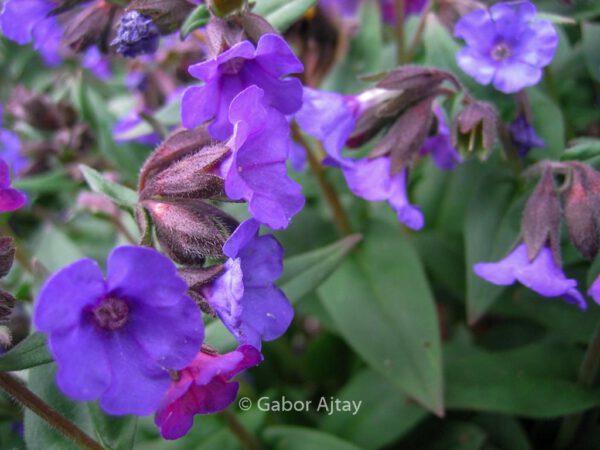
{"x": 582, "y": 208}
{"x": 167, "y": 15}
{"x": 7, "y": 304}
{"x": 197, "y": 279}
{"x": 183, "y": 166}
{"x": 523, "y": 136}
{"x": 224, "y": 8}
{"x": 136, "y": 35}
{"x": 90, "y": 25}
{"x": 541, "y": 219}
{"x": 39, "y": 111}
{"x": 475, "y": 129}
{"x": 190, "y": 230}
{"x": 7, "y": 255}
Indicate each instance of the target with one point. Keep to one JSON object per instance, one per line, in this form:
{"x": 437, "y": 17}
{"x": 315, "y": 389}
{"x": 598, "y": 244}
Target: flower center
{"x": 233, "y": 66}
{"x": 111, "y": 314}
{"x": 501, "y": 51}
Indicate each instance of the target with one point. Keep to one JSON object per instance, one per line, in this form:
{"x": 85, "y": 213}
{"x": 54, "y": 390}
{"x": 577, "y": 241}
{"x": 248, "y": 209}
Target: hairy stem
{"x": 247, "y": 439}
{"x": 339, "y": 215}
{"x": 28, "y": 399}
{"x": 587, "y": 375}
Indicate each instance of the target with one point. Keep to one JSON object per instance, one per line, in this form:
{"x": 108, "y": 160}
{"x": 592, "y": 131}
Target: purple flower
{"x": 116, "y": 339}
{"x": 136, "y": 35}
{"x": 344, "y": 8}
{"x": 523, "y": 136}
{"x": 24, "y": 21}
{"x": 228, "y": 74}
{"x": 439, "y": 146}
{"x": 388, "y": 9}
{"x": 506, "y": 45}
{"x": 256, "y": 168}
{"x": 371, "y": 179}
{"x": 204, "y": 387}
{"x": 331, "y": 118}
{"x": 244, "y": 297}
{"x": 97, "y": 63}
{"x": 10, "y": 198}
{"x": 594, "y": 290}
{"x": 541, "y": 275}
{"x": 10, "y": 149}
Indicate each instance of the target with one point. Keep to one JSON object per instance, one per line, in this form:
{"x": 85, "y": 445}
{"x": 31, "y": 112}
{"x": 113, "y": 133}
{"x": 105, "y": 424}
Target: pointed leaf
{"x": 299, "y": 438}
{"x": 30, "y": 352}
{"x": 121, "y": 195}
{"x": 288, "y": 12}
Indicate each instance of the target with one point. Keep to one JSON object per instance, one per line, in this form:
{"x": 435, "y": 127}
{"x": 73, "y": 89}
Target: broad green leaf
{"x": 301, "y": 275}
{"x": 197, "y": 18}
{"x": 299, "y": 438}
{"x": 536, "y": 381}
{"x": 304, "y": 273}
{"x": 549, "y": 124}
{"x": 504, "y": 432}
{"x": 30, "y": 352}
{"x": 381, "y": 303}
{"x": 121, "y": 195}
{"x": 384, "y": 416}
{"x": 489, "y": 232}
{"x": 590, "y": 32}
{"x": 288, "y": 12}
{"x": 38, "y": 434}
{"x": 55, "y": 249}
{"x": 582, "y": 149}
{"x": 113, "y": 432}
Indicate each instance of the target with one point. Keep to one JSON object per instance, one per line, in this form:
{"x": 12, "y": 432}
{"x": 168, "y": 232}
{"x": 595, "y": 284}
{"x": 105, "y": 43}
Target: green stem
{"x": 247, "y": 439}
{"x": 410, "y": 53}
{"x": 28, "y": 399}
{"x": 400, "y": 42}
{"x": 587, "y": 375}
{"x": 339, "y": 215}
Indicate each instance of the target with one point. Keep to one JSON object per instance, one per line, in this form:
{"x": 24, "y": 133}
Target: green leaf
{"x": 536, "y": 381}
{"x": 448, "y": 435}
{"x": 549, "y": 124}
{"x": 121, "y": 195}
{"x": 489, "y": 232}
{"x": 56, "y": 181}
{"x": 380, "y": 301}
{"x": 582, "y": 149}
{"x": 384, "y": 416}
{"x": 503, "y": 432}
{"x": 38, "y": 434}
{"x": 197, "y": 18}
{"x": 30, "y": 352}
{"x": 55, "y": 249}
{"x": 287, "y": 12}
{"x": 299, "y": 438}
{"x": 590, "y": 37}
{"x": 113, "y": 432}
{"x": 304, "y": 273}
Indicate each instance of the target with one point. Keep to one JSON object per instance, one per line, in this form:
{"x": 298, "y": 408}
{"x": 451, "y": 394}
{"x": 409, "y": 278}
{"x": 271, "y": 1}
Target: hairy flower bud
{"x": 190, "y": 230}
{"x": 90, "y": 25}
{"x": 7, "y": 304}
{"x": 39, "y": 111}
{"x": 582, "y": 208}
{"x": 541, "y": 219}
{"x": 166, "y": 15}
{"x": 475, "y": 129}
{"x": 7, "y": 255}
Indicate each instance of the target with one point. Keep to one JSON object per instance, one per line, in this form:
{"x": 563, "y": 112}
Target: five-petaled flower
{"x": 506, "y": 45}
{"x": 117, "y": 339}
{"x": 204, "y": 387}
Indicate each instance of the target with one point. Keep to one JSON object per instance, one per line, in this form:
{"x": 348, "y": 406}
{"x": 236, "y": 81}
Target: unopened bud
{"x": 541, "y": 218}
{"x": 7, "y": 304}
{"x": 136, "y": 35}
{"x": 190, "y": 230}
{"x": 475, "y": 129}
{"x": 582, "y": 208}
{"x": 166, "y": 15}
{"x": 7, "y": 255}
{"x": 39, "y": 111}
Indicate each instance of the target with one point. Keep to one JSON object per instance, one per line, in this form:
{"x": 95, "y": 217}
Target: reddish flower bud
{"x": 39, "y": 111}
{"x": 7, "y": 255}
{"x": 475, "y": 129}
{"x": 541, "y": 218}
{"x": 582, "y": 208}
{"x": 167, "y": 15}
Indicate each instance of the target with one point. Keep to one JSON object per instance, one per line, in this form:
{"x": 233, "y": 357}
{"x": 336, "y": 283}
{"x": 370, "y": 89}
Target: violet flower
{"x": 542, "y": 275}
{"x": 331, "y": 118}
{"x": 506, "y": 45}
{"x": 116, "y": 339}
{"x": 24, "y": 21}
{"x": 10, "y": 149}
{"x": 256, "y": 168}
{"x": 204, "y": 387}
{"x": 10, "y": 198}
{"x": 524, "y": 136}
{"x": 439, "y": 146}
{"x": 245, "y": 297}
{"x": 234, "y": 70}
{"x": 97, "y": 63}
{"x": 594, "y": 290}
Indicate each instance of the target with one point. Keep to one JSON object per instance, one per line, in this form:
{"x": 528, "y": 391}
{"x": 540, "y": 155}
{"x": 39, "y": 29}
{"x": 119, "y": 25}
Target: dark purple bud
{"x": 582, "y": 208}
{"x": 39, "y": 111}
{"x": 136, "y": 35}
{"x": 7, "y": 304}
{"x": 190, "y": 230}
{"x": 183, "y": 166}
{"x": 541, "y": 219}
{"x": 523, "y": 136}
{"x": 7, "y": 255}
{"x": 475, "y": 129}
